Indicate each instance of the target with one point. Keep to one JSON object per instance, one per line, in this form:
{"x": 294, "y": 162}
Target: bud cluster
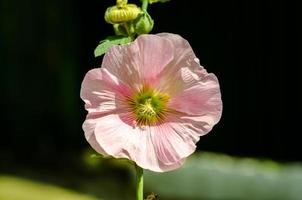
{"x": 128, "y": 19}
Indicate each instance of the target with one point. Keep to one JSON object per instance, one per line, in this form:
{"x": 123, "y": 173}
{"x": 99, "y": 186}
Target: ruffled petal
{"x": 176, "y": 139}
{"x": 156, "y": 53}
{"x": 89, "y": 127}
{"x": 198, "y": 95}
{"x": 183, "y": 53}
{"x": 184, "y": 57}
{"x": 171, "y": 145}
{"x": 119, "y": 137}
{"x": 102, "y": 92}
{"x": 139, "y": 62}
{"x": 116, "y": 135}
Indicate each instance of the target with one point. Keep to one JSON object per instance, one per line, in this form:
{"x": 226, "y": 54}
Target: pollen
{"x": 149, "y": 106}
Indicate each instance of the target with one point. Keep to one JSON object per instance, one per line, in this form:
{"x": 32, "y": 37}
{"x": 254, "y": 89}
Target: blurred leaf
{"x": 12, "y": 188}
{"x": 212, "y": 176}
{"x": 109, "y": 42}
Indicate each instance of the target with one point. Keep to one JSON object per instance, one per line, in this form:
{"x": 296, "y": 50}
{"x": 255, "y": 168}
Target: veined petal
{"x": 156, "y": 54}
{"x": 197, "y": 96}
{"x": 116, "y": 135}
{"x": 102, "y": 92}
{"x": 184, "y": 57}
{"x": 139, "y": 62}
{"x": 171, "y": 145}
{"x": 183, "y": 53}
{"x": 176, "y": 139}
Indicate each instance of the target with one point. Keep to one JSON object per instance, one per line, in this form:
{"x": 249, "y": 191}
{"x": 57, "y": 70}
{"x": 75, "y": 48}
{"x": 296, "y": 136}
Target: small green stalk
{"x": 145, "y": 5}
{"x": 139, "y": 183}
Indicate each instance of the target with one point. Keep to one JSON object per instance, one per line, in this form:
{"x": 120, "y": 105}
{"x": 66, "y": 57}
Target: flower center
{"x": 149, "y": 106}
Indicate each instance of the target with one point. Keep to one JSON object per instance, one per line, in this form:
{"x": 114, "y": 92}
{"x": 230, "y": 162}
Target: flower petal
{"x": 102, "y": 92}
{"x": 119, "y": 137}
{"x": 116, "y": 135}
{"x": 140, "y": 61}
{"x": 183, "y": 52}
{"x": 88, "y": 127}
{"x": 155, "y": 53}
{"x": 176, "y": 139}
{"x": 198, "y": 95}
{"x": 172, "y": 144}
{"x": 184, "y": 57}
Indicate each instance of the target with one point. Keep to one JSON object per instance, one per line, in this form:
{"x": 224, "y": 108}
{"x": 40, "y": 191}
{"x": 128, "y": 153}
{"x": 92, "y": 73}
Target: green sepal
{"x": 111, "y": 158}
{"x": 119, "y": 29}
{"x": 109, "y": 42}
{"x": 143, "y": 24}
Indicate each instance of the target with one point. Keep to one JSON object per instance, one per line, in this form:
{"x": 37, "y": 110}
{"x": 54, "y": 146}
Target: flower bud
{"x": 143, "y": 24}
{"x": 122, "y": 14}
{"x": 121, "y": 3}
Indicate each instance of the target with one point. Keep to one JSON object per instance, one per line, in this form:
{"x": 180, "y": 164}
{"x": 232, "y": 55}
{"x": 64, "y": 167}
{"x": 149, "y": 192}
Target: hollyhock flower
{"x": 150, "y": 102}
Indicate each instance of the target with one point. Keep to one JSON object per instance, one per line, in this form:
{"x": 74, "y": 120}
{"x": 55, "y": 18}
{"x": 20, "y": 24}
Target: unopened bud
{"x": 121, "y": 3}
{"x": 126, "y": 13}
{"x": 143, "y": 24}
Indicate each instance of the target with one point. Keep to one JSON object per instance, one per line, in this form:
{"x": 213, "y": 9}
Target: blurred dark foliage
{"x": 254, "y": 47}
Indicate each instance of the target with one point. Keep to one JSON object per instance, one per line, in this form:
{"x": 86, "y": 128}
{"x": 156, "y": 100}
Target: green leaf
{"x": 19, "y": 188}
{"x": 109, "y": 42}
{"x": 216, "y": 176}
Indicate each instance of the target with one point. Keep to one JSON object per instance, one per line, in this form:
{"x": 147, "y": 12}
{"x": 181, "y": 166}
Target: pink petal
{"x": 140, "y": 61}
{"x": 172, "y": 144}
{"x": 184, "y": 57}
{"x": 157, "y": 149}
{"x": 102, "y": 92}
{"x": 88, "y": 127}
{"x": 176, "y": 139}
{"x": 198, "y": 96}
{"x": 121, "y": 139}
{"x": 155, "y": 54}
{"x": 183, "y": 52}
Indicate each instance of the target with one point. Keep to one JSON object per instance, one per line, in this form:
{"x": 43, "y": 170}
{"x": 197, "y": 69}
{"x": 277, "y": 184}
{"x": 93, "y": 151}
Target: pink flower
{"x": 150, "y": 102}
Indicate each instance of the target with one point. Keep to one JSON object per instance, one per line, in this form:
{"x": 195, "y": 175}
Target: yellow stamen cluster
{"x": 148, "y": 106}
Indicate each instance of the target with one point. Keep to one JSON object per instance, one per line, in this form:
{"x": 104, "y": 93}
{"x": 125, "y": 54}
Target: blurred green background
{"x": 254, "y": 47}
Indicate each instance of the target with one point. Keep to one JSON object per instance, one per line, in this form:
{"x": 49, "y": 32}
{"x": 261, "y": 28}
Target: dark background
{"x": 254, "y": 47}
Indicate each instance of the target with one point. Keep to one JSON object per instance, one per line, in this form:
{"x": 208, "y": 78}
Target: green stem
{"x": 139, "y": 183}
{"x": 145, "y": 5}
